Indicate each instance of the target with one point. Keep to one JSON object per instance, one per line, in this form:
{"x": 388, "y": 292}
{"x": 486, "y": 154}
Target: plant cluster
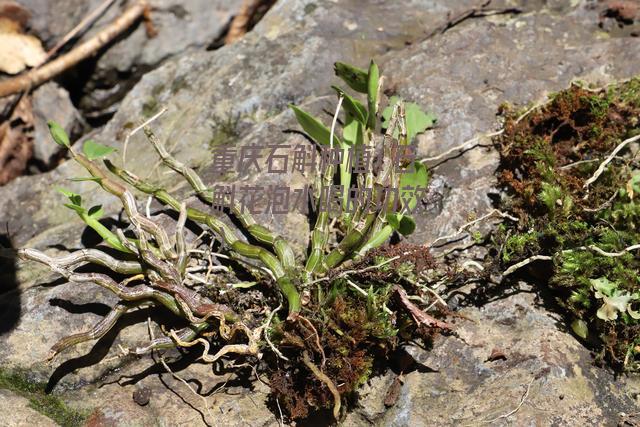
{"x": 341, "y": 320}
{"x": 572, "y": 176}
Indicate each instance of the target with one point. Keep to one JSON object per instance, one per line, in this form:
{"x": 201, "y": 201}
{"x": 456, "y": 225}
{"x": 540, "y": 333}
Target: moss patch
{"x": 356, "y": 330}
{"x": 47, "y": 404}
{"x": 546, "y": 159}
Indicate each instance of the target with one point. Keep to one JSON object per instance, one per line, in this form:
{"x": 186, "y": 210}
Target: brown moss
{"x": 546, "y": 158}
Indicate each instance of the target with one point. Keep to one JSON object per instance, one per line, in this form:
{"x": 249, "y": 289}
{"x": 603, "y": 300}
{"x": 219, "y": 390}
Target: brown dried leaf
{"x": 16, "y": 141}
{"x": 496, "y": 354}
{"x": 17, "y": 50}
{"x": 418, "y": 315}
{"x": 622, "y": 10}
{"x": 15, "y": 13}
{"x": 393, "y": 392}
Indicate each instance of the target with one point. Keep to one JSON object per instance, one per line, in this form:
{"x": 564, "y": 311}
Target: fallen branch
{"x": 517, "y": 408}
{"x": 37, "y": 76}
{"x": 477, "y": 12}
{"x": 603, "y": 252}
{"x": 86, "y": 22}
{"x": 242, "y": 21}
{"x": 467, "y": 145}
{"x": 183, "y": 381}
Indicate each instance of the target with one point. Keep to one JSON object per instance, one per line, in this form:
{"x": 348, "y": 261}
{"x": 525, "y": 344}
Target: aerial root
{"x": 98, "y": 331}
{"x": 327, "y": 381}
{"x": 249, "y": 349}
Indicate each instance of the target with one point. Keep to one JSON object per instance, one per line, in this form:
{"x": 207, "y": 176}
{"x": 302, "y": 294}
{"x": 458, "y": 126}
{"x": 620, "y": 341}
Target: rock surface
{"x": 52, "y": 102}
{"x": 102, "y": 82}
{"x": 238, "y": 95}
{"x": 535, "y": 361}
{"x": 16, "y": 412}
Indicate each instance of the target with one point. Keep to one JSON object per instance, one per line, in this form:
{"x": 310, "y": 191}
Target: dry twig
{"x": 86, "y": 22}
{"x": 48, "y": 71}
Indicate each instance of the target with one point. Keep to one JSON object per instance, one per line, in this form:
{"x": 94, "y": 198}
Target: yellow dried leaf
{"x": 16, "y": 141}
{"x": 19, "y": 51}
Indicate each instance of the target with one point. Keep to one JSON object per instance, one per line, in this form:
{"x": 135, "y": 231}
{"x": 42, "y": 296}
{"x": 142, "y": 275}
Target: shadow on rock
{"x": 101, "y": 348}
{"x": 9, "y": 291}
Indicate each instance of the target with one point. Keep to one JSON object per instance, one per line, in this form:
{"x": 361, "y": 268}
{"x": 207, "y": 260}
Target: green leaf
{"x": 403, "y": 224}
{"x": 580, "y": 328}
{"x": 86, "y": 178}
{"x": 59, "y": 135}
{"x": 373, "y": 80}
{"x": 313, "y": 127}
{"x": 604, "y": 285}
{"x": 418, "y": 178}
{"x": 94, "y": 150}
{"x": 353, "y": 106}
{"x": 95, "y": 212}
{"x": 75, "y": 198}
{"x": 352, "y": 133}
{"x": 355, "y": 77}
{"x": 417, "y": 121}
{"x": 79, "y": 209}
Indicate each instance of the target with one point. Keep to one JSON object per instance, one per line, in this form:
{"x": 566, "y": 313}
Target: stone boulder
{"x": 239, "y": 95}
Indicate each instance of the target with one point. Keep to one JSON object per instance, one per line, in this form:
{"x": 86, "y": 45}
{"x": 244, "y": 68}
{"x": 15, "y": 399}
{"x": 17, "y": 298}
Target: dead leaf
{"x": 16, "y": 141}
{"x": 393, "y": 392}
{"x": 14, "y": 12}
{"x": 496, "y": 354}
{"x": 17, "y": 50}
{"x": 418, "y": 315}
{"x": 622, "y": 10}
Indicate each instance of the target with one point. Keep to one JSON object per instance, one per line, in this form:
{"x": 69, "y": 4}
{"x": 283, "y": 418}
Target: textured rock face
{"x": 462, "y": 75}
{"x": 51, "y": 102}
{"x": 17, "y": 413}
{"x": 180, "y": 26}
{"x": 532, "y": 360}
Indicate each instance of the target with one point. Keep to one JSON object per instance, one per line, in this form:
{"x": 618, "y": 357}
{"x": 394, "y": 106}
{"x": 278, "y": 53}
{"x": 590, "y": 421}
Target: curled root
{"x": 250, "y": 349}
{"x": 327, "y": 381}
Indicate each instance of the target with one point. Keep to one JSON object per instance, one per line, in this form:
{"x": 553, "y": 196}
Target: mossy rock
{"x": 549, "y": 159}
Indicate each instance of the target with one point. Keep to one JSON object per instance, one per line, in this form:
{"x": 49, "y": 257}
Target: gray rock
{"x": 238, "y": 95}
{"x": 180, "y": 26}
{"x": 17, "y": 412}
{"x": 545, "y": 367}
{"x": 51, "y": 102}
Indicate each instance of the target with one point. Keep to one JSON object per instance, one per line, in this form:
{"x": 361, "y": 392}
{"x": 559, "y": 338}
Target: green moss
{"x": 47, "y": 404}
{"x": 598, "y": 105}
{"x": 407, "y": 270}
{"x": 157, "y": 90}
{"x": 150, "y": 107}
{"x": 546, "y": 160}
{"x": 309, "y": 8}
{"x": 630, "y": 92}
{"x": 366, "y": 374}
{"x": 518, "y": 245}
{"x": 225, "y": 131}
{"x": 178, "y": 84}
